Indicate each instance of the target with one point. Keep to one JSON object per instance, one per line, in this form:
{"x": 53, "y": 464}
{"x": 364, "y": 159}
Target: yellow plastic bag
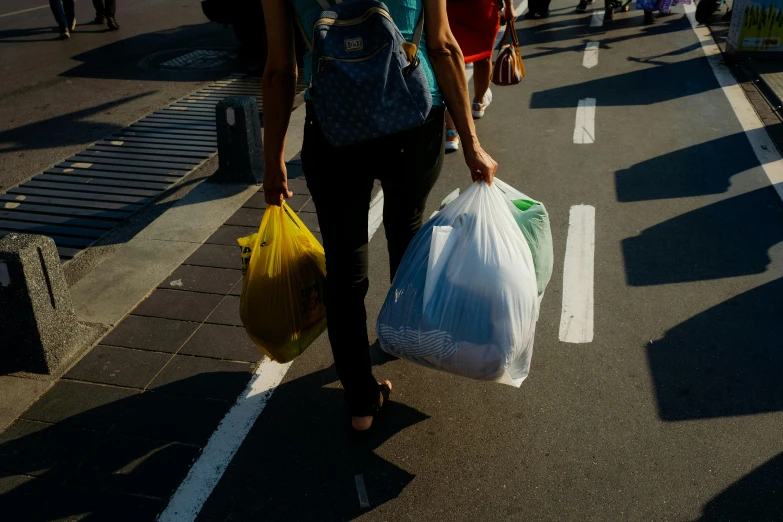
{"x": 282, "y": 305}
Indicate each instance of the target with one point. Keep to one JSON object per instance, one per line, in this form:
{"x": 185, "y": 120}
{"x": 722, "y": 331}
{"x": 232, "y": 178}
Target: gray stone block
{"x": 240, "y": 152}
{"x": 39, "y": 332}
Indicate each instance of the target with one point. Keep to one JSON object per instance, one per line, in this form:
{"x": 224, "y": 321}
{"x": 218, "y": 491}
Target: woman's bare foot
{"x": 364, "y": 423}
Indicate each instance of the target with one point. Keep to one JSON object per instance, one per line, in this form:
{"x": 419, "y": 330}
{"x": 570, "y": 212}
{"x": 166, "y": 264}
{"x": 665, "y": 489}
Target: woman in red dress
{"x": 475, "y": 25}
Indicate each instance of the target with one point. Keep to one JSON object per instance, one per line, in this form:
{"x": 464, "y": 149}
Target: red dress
{"x": 475, "y": 24}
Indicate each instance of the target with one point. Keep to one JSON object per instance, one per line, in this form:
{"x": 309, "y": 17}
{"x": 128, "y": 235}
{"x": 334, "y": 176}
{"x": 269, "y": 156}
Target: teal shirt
{"x": 405, "y": 14}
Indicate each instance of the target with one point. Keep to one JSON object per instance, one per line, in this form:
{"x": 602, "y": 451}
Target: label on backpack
{"x": 354, "y": 44}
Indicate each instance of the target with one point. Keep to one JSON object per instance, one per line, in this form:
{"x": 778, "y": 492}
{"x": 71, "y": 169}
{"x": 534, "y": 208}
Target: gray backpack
{"x": 366, "y": 79}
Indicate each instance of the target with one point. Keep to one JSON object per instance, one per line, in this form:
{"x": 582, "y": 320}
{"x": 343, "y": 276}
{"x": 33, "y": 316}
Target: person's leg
{"x": 59, "y": 13}
{"x": 70, "y": 15}
{"x": 340, "y": 182}
{"x": 110, "y": 8}
{"x": 406, "y": 189}
{"x": 482, "y": 75}
{"x": 608, "y": 10}
{"x": 100, "y": 12}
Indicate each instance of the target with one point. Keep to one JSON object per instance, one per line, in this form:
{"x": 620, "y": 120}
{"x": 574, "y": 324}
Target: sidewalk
{"x": 114, "y": 438}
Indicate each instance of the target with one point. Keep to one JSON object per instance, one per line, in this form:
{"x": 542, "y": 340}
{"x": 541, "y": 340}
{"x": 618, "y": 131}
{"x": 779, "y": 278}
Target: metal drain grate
{"x": 201, "y": 59}
{"x": 79, "y": 200}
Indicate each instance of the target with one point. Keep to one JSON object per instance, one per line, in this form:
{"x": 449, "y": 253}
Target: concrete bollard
{"x": 239, "y": 141}
{"x": 39, "y": 332}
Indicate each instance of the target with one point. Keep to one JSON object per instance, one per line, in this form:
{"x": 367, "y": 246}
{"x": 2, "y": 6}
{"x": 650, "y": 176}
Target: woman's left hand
{"x": 509, "y": 12}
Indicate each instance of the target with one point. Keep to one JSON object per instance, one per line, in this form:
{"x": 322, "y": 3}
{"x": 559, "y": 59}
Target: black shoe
{"x": 99, "y": 20}
{"x": 582, "y": 7}
{"x": 543, "y": 14}
{"x": 649, "y": 19}
{"x": 112, "y": 24}
{"x": 64, "y": 33}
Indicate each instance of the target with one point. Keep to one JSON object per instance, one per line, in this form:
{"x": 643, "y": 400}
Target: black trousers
{"x": 63, "y": 12}
{"x": 341, "y": 181}
{"x": 105, "y": 8}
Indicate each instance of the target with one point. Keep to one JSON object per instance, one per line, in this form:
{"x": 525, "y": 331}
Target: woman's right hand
{"x": 482, "y": 166}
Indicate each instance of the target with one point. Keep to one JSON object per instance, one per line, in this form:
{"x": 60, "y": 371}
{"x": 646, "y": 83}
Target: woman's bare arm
{"x": 449, "y": 66}
{"x": 278, "y": 87}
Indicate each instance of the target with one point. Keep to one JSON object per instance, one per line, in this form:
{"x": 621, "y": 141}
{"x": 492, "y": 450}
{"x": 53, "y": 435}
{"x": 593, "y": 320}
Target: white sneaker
{"x": 479, "y": 108}
{"x": 452, "y": 141}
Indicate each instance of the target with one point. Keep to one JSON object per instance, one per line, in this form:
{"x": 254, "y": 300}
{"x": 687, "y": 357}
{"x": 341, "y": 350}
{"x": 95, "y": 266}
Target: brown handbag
{"x": 509, "y": 69}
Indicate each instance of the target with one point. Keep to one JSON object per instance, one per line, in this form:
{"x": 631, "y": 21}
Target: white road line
{"x": 763, "y": 146}
{"x": 597, "y": 20}
{"x": 584, "y": 127}
{"x": 590, "y": 59}
{"x": 364, "y": 502}
{"x": 576, "y": 318}
{"x": 206, "y": 472}
{"x": 202, "y": 478}
{"x": 24, "y": 11}
{"x": 375, "y": 217}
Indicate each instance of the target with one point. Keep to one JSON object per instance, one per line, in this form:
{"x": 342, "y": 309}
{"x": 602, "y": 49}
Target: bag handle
{"x": 510, "y": 30}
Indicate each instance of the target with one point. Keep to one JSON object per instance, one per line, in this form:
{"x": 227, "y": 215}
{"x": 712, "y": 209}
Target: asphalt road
{"x": 672, "y": 412}
{"x": 56, "y": 97}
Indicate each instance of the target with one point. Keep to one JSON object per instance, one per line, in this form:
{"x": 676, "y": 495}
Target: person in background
{"x": 64, "y": 16}
{"x": 475, "y": 25}
{"x": 662, "y": 6}
{"x": 609, "y": 6}
{"x": 104, "y": 13}
{"x": 341, "y": 179}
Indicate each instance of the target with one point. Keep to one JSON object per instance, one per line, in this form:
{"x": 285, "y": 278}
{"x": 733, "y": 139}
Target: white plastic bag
{"x": 465, "y": 298}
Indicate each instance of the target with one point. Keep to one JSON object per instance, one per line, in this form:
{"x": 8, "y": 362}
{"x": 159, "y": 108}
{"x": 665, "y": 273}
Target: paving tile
{"x": 298, "y": 185}
{"x": 246, "y": 217}
{"x": 42, "y": 499}
{"x": 227, "y": 312}
{"x": 228, "y": 235}
{"x": 171, "y": 417}
{"x": 202, "y": 279}
{"x": 204, "y": 377}
{"x": 150, "y": 333}
{"x": 119, "y": 366}
{"x": 217, "y": 256}
{"x": 175, "y": 304}
{"x": 16, "y": 394}
{"x": 137, "y": 466}
{"x": 256, "y": 200}
{"x": 311, "y": 222}
{"x": 237, "y": 290}
{"x": 38, "y": 449}
{"x": 222, "y": 342}
{"x": 80, "y": 404}
{"x": 308, "y": 207}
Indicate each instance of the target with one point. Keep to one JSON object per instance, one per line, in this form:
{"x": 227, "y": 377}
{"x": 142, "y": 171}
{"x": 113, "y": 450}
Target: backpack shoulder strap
{"x": 419, "y": 28}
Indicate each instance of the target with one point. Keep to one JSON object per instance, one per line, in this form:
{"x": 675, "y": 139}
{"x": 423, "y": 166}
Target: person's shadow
{"x": 297, "y": 462}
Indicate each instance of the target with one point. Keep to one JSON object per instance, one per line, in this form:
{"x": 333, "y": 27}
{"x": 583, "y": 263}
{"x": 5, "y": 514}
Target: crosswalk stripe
{"x": 584, "y": 126}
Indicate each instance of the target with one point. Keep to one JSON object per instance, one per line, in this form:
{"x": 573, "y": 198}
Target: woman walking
{"x": 475, "y": 24}
{"x": 340, "y": 179}
{"x": 64, "y": 16}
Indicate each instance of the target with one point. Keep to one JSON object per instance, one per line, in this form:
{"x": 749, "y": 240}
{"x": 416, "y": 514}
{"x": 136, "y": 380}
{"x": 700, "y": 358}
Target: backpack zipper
{"x": 353, "y": 21}
{"x": 323, "y": 59}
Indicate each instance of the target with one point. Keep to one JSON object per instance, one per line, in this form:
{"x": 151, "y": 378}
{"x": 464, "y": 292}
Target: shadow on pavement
{"x": 757, "y": 496}
{"x": 728, "y": 238}
{"x": 146, "y": 51}
{"x": 640, "y": 87}
{"x": 579, "y": 29}
{"x": 299, "y": 464}
{"x": 698, "y": 170}
{"x": 67, "y": 129}
{"x": 124, "y": 459}
{"x": 724, "y": 361}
